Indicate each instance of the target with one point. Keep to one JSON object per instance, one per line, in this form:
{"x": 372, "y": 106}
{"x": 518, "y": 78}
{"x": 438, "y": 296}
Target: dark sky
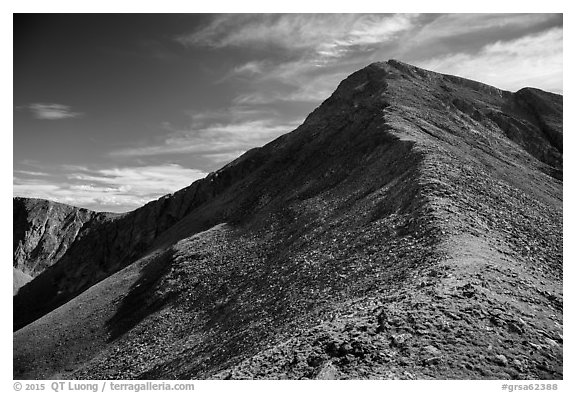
{"x": 111, "y": 111}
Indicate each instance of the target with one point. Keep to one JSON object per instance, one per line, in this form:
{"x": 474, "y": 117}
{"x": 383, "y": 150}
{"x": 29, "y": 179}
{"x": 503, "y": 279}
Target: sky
{"x": 114, "y": 110}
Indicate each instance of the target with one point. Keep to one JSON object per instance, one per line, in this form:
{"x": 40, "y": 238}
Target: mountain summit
{"x": 411, "y": 227}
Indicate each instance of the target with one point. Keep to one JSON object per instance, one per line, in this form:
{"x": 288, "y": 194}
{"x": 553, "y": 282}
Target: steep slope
{"x": 410, "y": 228}
{"x": 42, "y": 233}
{"x": 74, "y": 332}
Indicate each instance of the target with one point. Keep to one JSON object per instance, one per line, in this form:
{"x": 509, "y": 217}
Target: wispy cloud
{"x": 115, "y": 189}
{"x": 250, "y": 68}
{"x": 213, "y": 141}
{"x": 30, "y": 173}
{"x": 456, "y": 26}
{"x": 52, "y": 111}
{"x": 533, "y": 60}
{"x": 318, "y": 50}
{"x": 327, "y": 35}
{"x": 301, "y": 80}
{"x": 212, "y": 137}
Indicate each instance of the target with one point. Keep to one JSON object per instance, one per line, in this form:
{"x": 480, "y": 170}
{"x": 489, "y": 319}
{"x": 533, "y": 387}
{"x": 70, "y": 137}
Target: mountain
{"x": 411, "y": 227}
{"x": 42, "y": 233}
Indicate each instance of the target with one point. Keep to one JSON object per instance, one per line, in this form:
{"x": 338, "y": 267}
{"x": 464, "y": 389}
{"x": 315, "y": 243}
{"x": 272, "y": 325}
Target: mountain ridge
{"x": 383, "y": 184}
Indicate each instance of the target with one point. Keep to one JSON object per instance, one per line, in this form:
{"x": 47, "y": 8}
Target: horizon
{"x": 113, "y": 111}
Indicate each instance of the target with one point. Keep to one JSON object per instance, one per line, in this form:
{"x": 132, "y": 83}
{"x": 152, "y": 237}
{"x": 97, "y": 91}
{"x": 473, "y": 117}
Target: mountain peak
{"x": 429, "y": 76}
{"x": 405, "y": 190}
{"x": 409, "y": 80}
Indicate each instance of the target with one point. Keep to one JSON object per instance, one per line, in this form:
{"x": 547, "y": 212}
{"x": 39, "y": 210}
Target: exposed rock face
{"x": 43, "y": 232}
{"x": 411, "y": 227}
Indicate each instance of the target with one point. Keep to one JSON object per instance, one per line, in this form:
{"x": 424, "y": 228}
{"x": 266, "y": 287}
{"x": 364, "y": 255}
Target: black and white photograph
{"x": 287, "y": 196}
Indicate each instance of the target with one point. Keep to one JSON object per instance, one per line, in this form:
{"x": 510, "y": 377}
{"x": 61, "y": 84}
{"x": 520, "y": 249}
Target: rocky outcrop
{"x": 43, "y": 231}
{"x": 409, "y": 228}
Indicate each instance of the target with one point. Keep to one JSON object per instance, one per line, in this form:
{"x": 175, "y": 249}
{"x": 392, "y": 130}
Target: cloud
{"x": 326, "y": 35}
{"x": 291, "y": 31}
{"x": 250, "y": 68}
{"x": 533, "y": 60}
{"x": 213, "y": 137}
{"x": 302, "y": 80}
{"x": 215, "y": 140}
{"x": 375, "y": 29}
{"x": 113, "y": 189}
{"x": 312, "y": 90}
{"x": 449, "y": 26}
{"x": 30, "y": 173}
{"x": 305, "y": 55}
{"x": 52, "y": 111}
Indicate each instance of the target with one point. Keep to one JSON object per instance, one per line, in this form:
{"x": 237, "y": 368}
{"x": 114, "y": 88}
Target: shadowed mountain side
{"x": 410, "y": 228}
{"x": 44, "y": 230}
{"x": 75, "y": 332}
{"x": 138, "y": 304}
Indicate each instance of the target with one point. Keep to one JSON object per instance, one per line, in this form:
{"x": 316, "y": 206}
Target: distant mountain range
{"x": 411, "y": 227}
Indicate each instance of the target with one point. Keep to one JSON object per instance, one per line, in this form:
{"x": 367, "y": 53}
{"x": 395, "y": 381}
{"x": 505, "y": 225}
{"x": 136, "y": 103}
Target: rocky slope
{"x": 411, "y": 227}
{"x": 42, "y": 233}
